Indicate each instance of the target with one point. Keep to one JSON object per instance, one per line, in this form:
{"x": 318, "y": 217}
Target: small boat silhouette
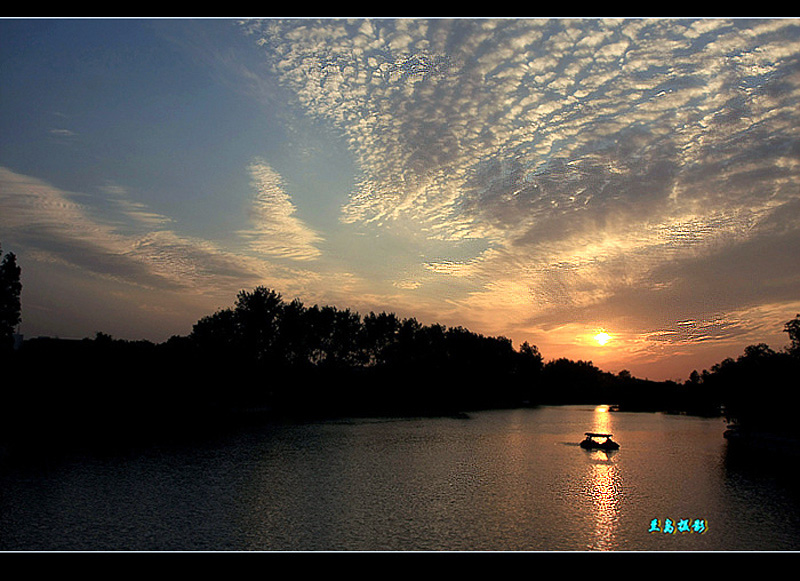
{"x": 598, "y": 441}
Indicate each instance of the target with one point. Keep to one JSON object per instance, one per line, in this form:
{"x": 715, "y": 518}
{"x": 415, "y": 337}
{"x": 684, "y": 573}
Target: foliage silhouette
{"x": 758, "y": 390}
{"x": 334, "y": 359}
{"x": 266, "y": 357}
{"x": 793, "y": 329}
{"x": 10, "y": 307}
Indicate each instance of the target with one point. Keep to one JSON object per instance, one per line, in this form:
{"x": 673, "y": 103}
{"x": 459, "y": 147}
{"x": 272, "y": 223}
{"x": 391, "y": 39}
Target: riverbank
{"x": 743, "y": 440}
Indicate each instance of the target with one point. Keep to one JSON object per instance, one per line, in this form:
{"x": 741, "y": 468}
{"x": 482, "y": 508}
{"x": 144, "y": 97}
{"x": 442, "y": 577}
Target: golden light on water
{"x": 603, "y": 420}
{"x": 603, "y": 486}
{"x": 604, "y": 492}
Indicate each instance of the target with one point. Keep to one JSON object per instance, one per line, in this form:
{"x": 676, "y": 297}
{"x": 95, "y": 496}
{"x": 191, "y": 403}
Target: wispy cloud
{"x": 62, "y": 133}
{"x": 123, "y": 246}
{"x": 276, "y": 230}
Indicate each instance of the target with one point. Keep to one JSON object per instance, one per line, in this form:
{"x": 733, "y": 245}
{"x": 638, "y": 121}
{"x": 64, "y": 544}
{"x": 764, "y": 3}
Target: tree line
{"x": 760, "y": 389}
{"x": 282, "y": 358}
{"x": 335, "y": 359}
{"x": 286, "y": 359}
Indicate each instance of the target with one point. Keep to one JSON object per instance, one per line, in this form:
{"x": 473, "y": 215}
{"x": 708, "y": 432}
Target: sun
{"x": 602, "y": 338}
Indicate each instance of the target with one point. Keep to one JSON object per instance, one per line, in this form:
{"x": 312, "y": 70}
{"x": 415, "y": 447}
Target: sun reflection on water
{"x": 603, "y": 486}
{"x": 603, "y": 490}
{"x": 602, "y": 420}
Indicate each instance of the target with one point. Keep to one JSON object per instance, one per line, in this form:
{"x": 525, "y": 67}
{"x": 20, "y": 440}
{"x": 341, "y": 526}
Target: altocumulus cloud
{"x": 596, "y": 157}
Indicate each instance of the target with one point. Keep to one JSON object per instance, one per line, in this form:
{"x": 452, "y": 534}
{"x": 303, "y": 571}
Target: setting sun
{"x": 602, "y": 338}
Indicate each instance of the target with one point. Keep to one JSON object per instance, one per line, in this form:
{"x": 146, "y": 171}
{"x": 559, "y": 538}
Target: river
{"x": 504, "y": 480}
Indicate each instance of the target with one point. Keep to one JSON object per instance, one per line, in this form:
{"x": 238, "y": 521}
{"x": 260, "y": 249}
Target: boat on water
{"x": 598, "y": 441}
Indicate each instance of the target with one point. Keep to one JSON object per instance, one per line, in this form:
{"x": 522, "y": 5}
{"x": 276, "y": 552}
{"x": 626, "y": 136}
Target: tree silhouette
{"x": 327, "y": 356}
{"x": 757, "y": 389}
{"x": 257, "y": 322}
{"x": 378, "y": 335}
{"x": 10, "y": 306}
{"x": 793, "y": 329}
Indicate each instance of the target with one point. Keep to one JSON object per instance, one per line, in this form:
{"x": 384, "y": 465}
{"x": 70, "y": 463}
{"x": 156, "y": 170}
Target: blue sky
{"x": 537, "y": 179}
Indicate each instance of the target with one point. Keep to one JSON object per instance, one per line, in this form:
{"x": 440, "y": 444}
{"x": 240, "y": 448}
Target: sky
{"x": 542, "y": 180}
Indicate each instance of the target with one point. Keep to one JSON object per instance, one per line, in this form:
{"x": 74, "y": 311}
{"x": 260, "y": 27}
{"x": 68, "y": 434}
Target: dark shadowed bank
{"x": 265, "y": 359}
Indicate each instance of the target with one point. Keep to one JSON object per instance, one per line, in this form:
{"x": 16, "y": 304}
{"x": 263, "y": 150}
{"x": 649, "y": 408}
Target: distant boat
{"x": 594, "y": 440}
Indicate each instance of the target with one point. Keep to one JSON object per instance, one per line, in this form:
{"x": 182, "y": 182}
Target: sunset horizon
{"x": 620, "y": 191}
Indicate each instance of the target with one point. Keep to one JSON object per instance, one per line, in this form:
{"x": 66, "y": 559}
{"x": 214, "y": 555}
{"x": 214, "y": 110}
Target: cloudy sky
{"x": 544, "y": 180}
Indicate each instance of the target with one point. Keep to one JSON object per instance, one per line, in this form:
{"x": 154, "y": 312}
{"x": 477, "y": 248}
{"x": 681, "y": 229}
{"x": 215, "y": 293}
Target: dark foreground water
{"x": 501, "y": 480}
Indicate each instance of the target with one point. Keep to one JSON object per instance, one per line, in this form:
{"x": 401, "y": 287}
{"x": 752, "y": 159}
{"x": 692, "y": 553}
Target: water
{"x": 511, "y": 480}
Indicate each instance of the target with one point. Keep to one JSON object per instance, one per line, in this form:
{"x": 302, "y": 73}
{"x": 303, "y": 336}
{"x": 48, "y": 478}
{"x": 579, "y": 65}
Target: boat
{"x": 598, "y": 441}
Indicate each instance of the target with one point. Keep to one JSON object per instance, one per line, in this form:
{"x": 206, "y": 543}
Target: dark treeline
{"x": 266, "y": 357}
{"x": 760, "y": 389}
{"x": 281, "y": 359}
{"x": 332, "y": 361}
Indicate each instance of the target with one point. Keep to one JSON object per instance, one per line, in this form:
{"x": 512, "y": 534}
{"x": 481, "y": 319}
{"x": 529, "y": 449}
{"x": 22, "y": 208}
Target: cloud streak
{"x": 107, "y": 236}
{"x": 126, "y": 248}
{"x": 277, "y": 231}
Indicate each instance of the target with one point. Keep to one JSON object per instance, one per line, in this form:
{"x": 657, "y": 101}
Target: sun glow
{"x": 602, "y": 338}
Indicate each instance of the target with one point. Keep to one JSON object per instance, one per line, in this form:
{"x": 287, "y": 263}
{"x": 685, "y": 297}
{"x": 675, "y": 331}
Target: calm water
{"x": 502, "y": 480}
